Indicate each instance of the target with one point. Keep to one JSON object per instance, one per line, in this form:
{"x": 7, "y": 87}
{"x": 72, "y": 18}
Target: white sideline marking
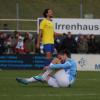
{"x": 52, "y": 95}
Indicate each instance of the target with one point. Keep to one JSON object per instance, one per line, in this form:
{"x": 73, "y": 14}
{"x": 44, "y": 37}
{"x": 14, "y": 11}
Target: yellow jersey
{"x": 47, "y": 28}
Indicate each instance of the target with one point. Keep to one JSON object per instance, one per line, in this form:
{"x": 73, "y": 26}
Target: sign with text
{"x": 22, "y": 61}
{"x": 75, "y": 26}
{"x": 16, "y": 61}
{"x": 85, "y": 62}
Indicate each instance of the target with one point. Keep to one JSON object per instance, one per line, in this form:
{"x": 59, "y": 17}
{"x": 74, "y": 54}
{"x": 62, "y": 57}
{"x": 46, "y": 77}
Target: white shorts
{"x": 61, "y": 79}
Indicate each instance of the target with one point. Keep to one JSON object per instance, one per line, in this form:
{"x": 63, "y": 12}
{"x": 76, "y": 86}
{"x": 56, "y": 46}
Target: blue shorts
{"x": 49, "y": 48}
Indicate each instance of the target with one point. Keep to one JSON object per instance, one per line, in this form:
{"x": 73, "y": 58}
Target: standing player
{"x": 64, "y": 76}
{"x": 46, "y": 34}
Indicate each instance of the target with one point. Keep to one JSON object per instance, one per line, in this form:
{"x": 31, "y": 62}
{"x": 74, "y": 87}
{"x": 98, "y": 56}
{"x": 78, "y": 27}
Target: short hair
{"x": 45, "y": 12}
{"x": 65, "y": 51}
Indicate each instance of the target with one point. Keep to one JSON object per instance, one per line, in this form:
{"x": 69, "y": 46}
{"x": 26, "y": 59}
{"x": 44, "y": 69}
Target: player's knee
{"x": 62, "y": 78}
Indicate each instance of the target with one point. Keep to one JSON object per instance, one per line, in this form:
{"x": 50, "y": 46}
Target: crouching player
{"x": 64, "y": 76}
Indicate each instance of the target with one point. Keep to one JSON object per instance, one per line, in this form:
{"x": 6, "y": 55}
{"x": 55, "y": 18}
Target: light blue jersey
{"x": 69, "y": 66}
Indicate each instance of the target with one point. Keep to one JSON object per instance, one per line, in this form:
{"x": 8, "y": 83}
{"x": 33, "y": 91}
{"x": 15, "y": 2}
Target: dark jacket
{"x": 2, "y": 46}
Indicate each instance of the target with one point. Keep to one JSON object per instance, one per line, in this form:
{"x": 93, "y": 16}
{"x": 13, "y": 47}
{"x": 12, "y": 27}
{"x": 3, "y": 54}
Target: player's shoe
{"x": 39, "y": 78}
{"x": 21, "y": 80}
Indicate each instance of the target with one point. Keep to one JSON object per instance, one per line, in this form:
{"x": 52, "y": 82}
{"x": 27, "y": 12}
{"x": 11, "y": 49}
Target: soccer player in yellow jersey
{"x": 46, "y": 34}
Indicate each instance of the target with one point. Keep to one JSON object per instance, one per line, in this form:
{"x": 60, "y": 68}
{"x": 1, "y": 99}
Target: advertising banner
{"x": 87, "y": 62}
{"x": 16, "y": 61}
{"x": 75, "y": 26}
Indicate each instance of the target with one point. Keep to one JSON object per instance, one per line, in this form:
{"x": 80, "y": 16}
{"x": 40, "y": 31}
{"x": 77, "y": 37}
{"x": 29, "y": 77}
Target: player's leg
{"x": 62, "y": 78}
{"x": 58, "y": 80}
{"x": 48, "y": 49}
{"x": 51, "y": 81}
{"x": 41, "y": 77}
{"x": 48, "y": 71}
{"x": 26, "y": 80}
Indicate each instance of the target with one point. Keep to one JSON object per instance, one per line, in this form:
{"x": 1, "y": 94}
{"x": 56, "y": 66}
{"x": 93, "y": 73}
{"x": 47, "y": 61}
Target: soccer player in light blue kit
{"x": 64, "y": 76}
{"x": 67, "y": 70}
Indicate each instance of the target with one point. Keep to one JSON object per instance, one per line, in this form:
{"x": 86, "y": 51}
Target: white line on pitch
{"x": 52, "y": 95}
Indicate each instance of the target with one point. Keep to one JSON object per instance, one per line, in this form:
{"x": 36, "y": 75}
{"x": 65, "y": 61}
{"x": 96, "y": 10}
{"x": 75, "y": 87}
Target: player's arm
{"x": 40, "y": 34}
{"x": 67, "y": 64}
{"x": 54, "y": 61}
{"x": 39, "y": 38}
{"x": 41, "y": 27}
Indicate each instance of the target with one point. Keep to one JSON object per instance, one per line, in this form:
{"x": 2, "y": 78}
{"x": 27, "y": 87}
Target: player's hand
{"x": 46, "y": 67}
{"x": 56, "y": 61}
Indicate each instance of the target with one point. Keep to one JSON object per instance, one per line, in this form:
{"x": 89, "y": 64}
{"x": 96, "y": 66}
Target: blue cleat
{"x": 21, "y": 80}
{"x": 39, "y": 78}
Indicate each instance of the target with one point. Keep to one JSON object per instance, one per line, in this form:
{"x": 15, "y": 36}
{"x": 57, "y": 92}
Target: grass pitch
{"x": 86, "y": 87}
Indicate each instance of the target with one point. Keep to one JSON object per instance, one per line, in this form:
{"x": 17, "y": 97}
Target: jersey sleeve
{"x": 67, "y": 64}
{"x": 42, "y": 24}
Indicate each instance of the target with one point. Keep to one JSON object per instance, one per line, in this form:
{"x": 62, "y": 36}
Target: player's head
{"x": 48, "y": 13}
{"x": 63, "y": 55}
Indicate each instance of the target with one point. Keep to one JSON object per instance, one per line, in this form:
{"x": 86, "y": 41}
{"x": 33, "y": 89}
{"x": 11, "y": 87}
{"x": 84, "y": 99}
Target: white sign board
{"x": 87, "y": 62}
{"x": 76, "y": 26}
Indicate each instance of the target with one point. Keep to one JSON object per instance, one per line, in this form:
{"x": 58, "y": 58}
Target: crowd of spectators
{"x": 78, "y": 43}
{"x": 18, "y": 43}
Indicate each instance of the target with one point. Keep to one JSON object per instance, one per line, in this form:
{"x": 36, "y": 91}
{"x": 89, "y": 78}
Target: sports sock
{"x": 48, "y": 71}
{"x": 31, "y": 79}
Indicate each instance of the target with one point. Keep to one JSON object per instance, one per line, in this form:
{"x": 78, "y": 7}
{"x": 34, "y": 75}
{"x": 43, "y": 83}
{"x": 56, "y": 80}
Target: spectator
{"x": 58, "y": 43}
{"x": 99, "y": 46}
{"x": 92, "y": 44}
{"x": 9, "y": 45}
{"x": 29, "y": 43}
{"x": 2, "y": 43}
{"x": 14, "y": 39}
{"x": 18, "y": 43}
{"x": 69, "y": 43}
{"x": 82, "y": 44}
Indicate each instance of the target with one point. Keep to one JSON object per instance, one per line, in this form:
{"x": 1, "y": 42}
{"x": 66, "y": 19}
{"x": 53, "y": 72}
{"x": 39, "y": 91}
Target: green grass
{"x": 87, "y": 87}
{"x": 34, "y": 8}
